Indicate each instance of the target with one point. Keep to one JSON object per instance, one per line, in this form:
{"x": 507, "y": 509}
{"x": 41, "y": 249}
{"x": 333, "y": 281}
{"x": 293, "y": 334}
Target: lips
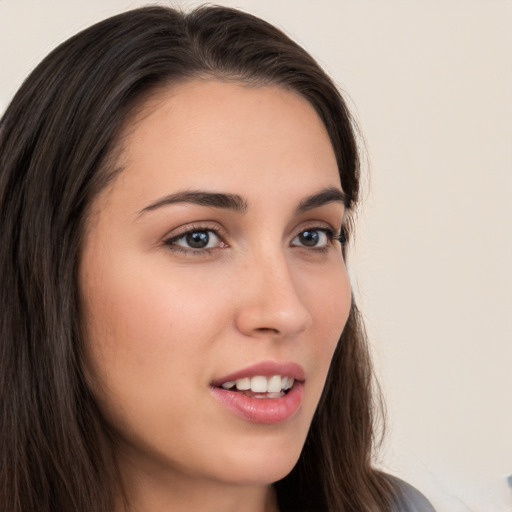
{"x": 265, "y": 393}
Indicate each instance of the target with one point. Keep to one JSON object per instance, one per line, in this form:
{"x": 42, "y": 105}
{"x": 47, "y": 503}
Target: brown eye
{"x": 196, "y": 240}
{"x": 317, "y": 238}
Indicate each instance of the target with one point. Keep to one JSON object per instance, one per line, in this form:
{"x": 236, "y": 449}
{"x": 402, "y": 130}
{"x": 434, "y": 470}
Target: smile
{"x": 265, "y": 393}
{"x": 261, "y": 386}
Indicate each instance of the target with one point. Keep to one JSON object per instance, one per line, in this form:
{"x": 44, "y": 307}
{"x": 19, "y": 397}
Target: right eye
{"x": 195, "y": 240}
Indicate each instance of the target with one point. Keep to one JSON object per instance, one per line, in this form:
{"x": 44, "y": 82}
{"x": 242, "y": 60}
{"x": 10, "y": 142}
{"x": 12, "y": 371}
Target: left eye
{"x": 313, "y": 238}
{"x": 199, "y": 239}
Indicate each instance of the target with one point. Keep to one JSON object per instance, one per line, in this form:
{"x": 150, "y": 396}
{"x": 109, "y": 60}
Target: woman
{"x": 177, "y": 325}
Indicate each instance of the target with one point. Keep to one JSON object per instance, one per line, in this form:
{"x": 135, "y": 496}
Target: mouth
{"x": 265, "y": 393}
{"x": 261, "y": 386}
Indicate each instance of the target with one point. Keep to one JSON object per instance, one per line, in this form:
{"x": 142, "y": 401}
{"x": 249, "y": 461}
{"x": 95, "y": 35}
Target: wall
{"x": 430, "y": 82}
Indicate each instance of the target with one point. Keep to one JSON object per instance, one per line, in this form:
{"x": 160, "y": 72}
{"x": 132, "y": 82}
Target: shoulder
{"x": 407, "y": 498}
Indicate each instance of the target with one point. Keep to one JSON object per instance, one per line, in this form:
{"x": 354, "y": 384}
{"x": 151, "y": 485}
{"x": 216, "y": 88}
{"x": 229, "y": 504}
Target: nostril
{"x": 266, "y": 330}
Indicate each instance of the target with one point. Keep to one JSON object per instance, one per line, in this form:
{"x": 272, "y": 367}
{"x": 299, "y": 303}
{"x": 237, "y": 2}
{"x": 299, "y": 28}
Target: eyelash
{"x": 171, "y": 243}
{"x": 328, "y": 232}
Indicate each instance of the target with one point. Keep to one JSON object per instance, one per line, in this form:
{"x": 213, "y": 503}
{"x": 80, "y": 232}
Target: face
{"x": 211, "y": 276}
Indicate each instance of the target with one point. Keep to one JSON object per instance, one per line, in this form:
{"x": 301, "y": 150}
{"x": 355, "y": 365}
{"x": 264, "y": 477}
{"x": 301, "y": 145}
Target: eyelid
{"x": 319, "y": 225}
{"x": 332, "y": 234}
{"x": 195, "y": 226}
{"x": 170, "y": 239}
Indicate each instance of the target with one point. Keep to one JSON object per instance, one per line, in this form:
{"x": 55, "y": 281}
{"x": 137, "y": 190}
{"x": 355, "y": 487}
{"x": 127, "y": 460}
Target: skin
{"x": 164, "y": 320}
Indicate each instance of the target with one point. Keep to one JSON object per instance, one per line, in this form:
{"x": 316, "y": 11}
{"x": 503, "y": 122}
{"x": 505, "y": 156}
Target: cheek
{"x": 150, "y": 343}
{"x": 139, "y": 321}
{"x": 330, "y": 301}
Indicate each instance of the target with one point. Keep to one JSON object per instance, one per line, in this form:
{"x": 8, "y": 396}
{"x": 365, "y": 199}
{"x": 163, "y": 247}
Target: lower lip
{"x": 262, "y": 410}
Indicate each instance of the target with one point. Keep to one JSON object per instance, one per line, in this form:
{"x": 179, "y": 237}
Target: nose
{"x": 270, "y": 300}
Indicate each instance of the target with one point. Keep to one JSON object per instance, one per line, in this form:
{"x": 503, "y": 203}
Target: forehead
{"x": 217, "y": 135}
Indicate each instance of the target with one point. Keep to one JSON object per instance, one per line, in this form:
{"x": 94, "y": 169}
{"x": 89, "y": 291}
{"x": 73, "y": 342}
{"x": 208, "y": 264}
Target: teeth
{"x": 274, "y": 384}
{"x": 243, "y": 384}
{"x": 289, "y": 383}
{"x": 261, "y": 384}
{"x": 269, "y": 395}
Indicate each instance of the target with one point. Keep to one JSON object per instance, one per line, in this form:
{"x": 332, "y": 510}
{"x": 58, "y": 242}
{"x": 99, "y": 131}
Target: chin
{"x": 263, "y": 463}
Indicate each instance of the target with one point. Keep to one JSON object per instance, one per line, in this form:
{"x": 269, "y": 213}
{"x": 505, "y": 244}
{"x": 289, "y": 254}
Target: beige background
{"x": 431, "y": 84}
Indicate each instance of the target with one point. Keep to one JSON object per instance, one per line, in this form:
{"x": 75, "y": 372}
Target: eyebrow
{"x": 328, "y": 195}
{"x": 239, "y": 204}
{"x": 211, "y": 199}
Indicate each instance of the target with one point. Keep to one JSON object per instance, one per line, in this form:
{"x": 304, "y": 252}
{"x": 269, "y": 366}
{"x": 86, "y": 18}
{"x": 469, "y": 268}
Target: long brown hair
{"x": 57, "y": 150}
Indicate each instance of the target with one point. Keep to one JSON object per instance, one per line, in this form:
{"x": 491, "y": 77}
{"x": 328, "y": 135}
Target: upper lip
{"x": 265, "y": 368}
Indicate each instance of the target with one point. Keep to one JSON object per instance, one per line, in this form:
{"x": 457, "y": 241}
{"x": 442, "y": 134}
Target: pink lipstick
{"x": 266, "y": 393}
